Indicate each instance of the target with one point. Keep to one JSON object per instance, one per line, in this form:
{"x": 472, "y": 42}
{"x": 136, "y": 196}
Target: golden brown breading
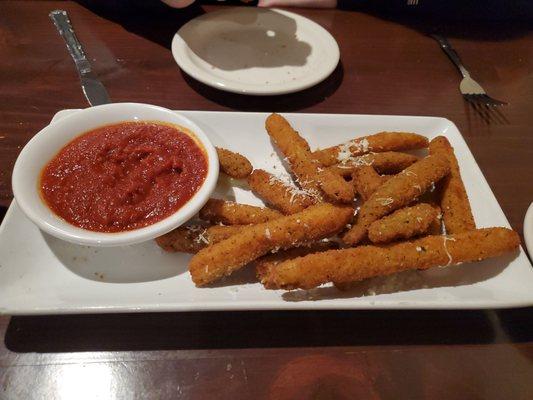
{"x": 193, "y": 238}
{"x": 218, "y": 233}
{"x": 435, "y": 228}
{"x": 311, "y": 176}
{"x": 335, "y": 187}
{"x": 293, "y": 147}
{"x": 398, "y": 192}
{"x": 223, "y": 258}
{"x": 389, "y": 162}
{"x": 185, "y": 239}
{"x": 226, "y": 212}
{"x": 377, "y": 143}
{"x": 404, "y": 223}
{"x": 280, "y": 195}
{"x": 266, "y": 264}
{"x": 233, "y": 164}
{"x": 456, "y": 211}
{"x": 355, "y": 264}
{"x": 366, "y": 181}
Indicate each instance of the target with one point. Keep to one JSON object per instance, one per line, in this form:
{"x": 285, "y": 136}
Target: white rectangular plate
{"x": 43, "y": 275}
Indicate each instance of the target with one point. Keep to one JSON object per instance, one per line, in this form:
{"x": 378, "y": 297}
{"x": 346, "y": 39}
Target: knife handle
{"x": 64, "y": 27}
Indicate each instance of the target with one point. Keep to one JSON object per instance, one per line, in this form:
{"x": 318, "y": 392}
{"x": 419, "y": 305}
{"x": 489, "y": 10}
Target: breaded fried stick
{"x": 311, "y": 175}
{"x": 185, "y": 239}
{"x": 378, "y": 142}
{"x": 223, "y": 258}
{"x": 389, "y": 162}
{"x": 456, "y": 211}
{"x": 280, "y": 195}
{"x": 233, "y": 164}
{"x": 218, "y": 233}
{"x": 193, "y": 238}
{"x": 366, "y": 181}
{"x": 398, "y": 192}
{"x": 265, "y": 265}
{"x": 230, "y": 213}
{"x": 355, "y": 264}
{"x": 404, "y": 223}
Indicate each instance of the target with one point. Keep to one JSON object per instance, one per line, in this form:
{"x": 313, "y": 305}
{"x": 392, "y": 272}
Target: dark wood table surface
{"x": 389, "y": 66}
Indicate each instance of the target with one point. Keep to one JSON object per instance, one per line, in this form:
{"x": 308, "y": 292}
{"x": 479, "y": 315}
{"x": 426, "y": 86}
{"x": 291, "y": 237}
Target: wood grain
{"x": 389, "y": 66}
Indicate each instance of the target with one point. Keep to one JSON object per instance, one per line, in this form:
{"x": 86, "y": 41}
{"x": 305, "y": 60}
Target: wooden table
{"x": 387, "y": 68}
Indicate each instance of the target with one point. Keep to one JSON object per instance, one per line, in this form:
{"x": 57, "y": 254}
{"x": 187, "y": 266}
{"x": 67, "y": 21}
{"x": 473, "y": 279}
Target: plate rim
{"x": 528, "y": 230}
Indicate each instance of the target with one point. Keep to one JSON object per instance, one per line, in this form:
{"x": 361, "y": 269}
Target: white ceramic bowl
{"x": 47, "y": 143}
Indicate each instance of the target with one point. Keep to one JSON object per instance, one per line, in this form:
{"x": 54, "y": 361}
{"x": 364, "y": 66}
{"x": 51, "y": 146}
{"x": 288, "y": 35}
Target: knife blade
{"x": 93, "y": 89}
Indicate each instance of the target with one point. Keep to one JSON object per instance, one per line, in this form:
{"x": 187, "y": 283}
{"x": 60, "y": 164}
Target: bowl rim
{"x": 62, "y": 229}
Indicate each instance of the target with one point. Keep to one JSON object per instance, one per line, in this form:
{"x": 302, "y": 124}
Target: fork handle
{"x": 450, "y": 52}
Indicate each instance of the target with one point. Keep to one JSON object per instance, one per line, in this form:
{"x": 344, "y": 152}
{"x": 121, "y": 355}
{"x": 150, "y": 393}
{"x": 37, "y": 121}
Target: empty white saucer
{"x": 255, "y": 51}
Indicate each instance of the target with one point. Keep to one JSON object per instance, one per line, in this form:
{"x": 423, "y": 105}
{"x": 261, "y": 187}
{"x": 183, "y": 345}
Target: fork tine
{"x": 471, "y": 98}
{"x": 492, "y": 101}
{"x": 487, "y": 100}
{"x": 481, "y": 99}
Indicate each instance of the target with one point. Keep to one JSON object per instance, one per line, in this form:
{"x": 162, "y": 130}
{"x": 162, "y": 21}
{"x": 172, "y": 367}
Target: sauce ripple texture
{"x": 123, "y": 176}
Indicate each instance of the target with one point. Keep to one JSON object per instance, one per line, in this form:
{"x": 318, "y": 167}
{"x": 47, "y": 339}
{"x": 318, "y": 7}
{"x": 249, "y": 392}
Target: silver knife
{"x": 93, "y": 89}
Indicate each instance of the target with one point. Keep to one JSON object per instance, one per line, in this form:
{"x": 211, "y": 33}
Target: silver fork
{"x": 470, "y": 89}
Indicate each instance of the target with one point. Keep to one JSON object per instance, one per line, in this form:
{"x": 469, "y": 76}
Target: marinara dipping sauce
{"x": 124, "y": 176}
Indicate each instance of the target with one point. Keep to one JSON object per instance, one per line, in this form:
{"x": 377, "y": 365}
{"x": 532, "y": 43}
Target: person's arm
{"x": 178, "y": 3}
{"x": 267, "y": 3}
{"x": 298, "y": 3}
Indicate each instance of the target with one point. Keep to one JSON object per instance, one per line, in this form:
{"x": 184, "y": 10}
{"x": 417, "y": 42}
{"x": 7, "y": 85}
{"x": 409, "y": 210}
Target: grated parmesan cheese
{"x": 345, "y": 152}
{"x": 385, "y": 201}
{"x": 446, "y": 238}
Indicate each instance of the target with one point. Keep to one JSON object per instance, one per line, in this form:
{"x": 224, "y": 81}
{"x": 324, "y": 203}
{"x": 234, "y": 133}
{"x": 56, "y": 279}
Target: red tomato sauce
{"x": 124, "y": 176}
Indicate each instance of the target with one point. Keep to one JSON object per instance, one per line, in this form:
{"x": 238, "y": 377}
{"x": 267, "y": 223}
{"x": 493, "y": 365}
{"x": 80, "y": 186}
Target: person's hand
{"x": 178, "y": 3}
{"x": 298, "y": 3}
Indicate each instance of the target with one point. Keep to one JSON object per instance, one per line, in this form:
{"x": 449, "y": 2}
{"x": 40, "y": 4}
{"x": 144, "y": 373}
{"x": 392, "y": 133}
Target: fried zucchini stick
{"x": 456, "y": 211}
{"x": 280, "y": 195}
{"x": 435, "y": 228}
{"x": 311, "y": 175}
{"x": 193, "y": 238}
{"x": 223, "y": 258}
{"x": 398, "y": 192}
{"x": 233, "y": 164}
{"x": 185, "y": 239}
{"x": 376, "y": 143}
{"x": 366, "y": 181}
{"x": 389, "y": 162}
{"x": 403, "y": 224}
{"x": 218, "y": 233}
{"x": 265, "y": 265}
{"x": 226, "y": 212}
{"x": 355, "y": 264}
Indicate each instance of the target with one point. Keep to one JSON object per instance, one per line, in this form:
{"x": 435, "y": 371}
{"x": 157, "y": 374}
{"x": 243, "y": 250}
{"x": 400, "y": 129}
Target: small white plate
{"x": 255, "y": 51}
{"x": 40, "y": 274}
{"x": 528, "y": 230}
